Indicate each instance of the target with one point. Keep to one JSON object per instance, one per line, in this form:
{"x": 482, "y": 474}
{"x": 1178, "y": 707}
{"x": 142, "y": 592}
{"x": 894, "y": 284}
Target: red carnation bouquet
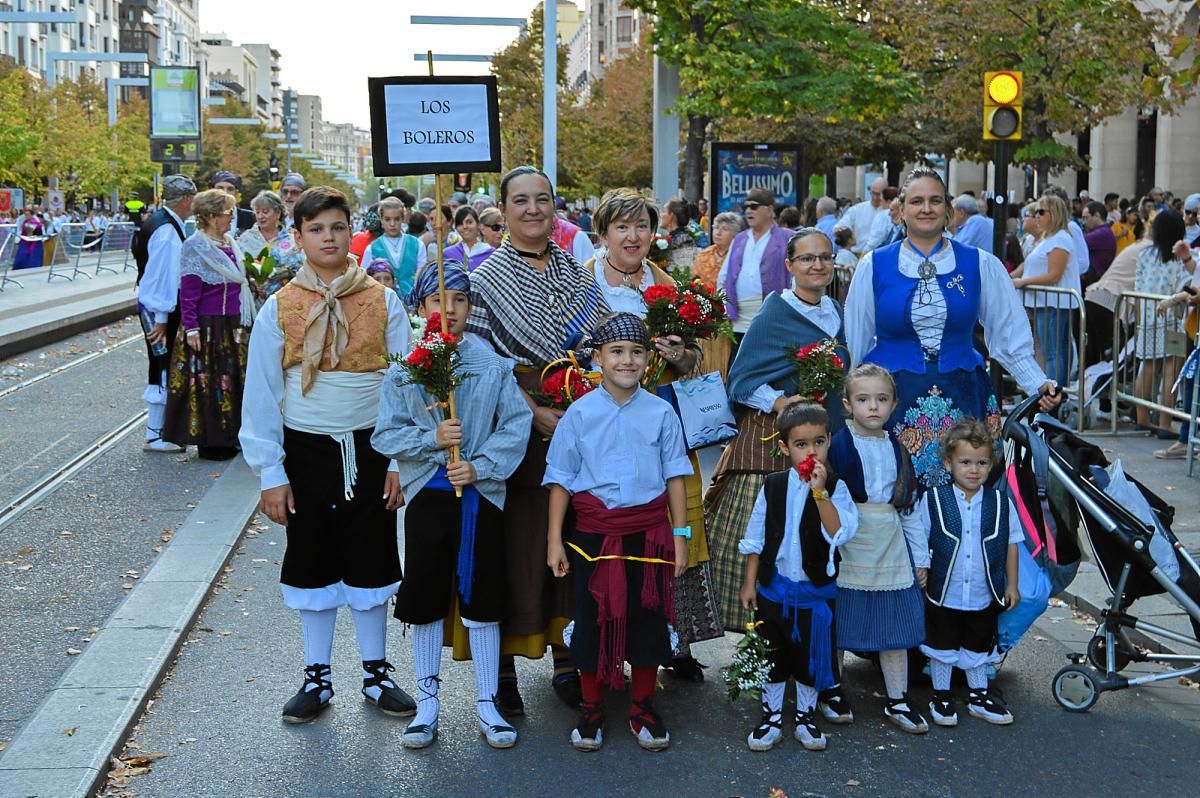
{"x": 688, "y": 308}
{"x": 563, "y": 386}
{"x": 433, "y": 363}
{"x": 819, "y": 369}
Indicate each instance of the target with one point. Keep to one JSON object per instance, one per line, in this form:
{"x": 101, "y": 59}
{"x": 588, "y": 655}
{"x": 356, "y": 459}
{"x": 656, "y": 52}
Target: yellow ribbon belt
{"x": 629, "y": 557}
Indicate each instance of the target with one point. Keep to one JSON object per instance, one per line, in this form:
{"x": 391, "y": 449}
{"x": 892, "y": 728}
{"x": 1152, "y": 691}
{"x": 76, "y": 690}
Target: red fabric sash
{"x": 609, "y": 584}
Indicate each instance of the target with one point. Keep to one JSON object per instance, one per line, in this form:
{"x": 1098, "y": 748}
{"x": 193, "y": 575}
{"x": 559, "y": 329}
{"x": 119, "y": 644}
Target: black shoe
{"x": 648, "y": 727}
{"x": 306, "y": 705}
{"x": 941, "y": 708}
{"x": 566, "y": 687}
{"x": 588, "y": 734}
{"x": 687, "y": 669}
{"x": 901, "y": 713}
{"x": 392, "y": 700}
{"x": 834, "y": 706}
{"x": 508, "y": 698}
{"x": 988, "y": 704}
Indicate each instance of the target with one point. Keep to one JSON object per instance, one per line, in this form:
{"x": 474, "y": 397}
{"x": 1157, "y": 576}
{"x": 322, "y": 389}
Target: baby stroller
{"x": 1128, "y": 529}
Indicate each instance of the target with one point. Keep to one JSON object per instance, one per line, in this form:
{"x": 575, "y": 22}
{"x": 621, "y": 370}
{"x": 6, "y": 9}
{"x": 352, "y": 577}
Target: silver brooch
{"x": 957, "y": 282}
{"x": 926, "y": 270}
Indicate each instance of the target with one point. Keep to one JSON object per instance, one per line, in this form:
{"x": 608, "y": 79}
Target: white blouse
{"x": 1038, "y": 263}
{"x": 879, "y": 473}
{"x": 623, "y": 298}
{"x": 1005, "y": 326}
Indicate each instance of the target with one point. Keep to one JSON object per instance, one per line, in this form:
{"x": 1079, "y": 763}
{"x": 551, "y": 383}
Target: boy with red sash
{"x": 618, "y": 456}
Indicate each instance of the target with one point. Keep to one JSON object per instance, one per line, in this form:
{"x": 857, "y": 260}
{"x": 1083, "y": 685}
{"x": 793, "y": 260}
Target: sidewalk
{"x": 42, "y": 312}
{"x": 1167, "y": 478}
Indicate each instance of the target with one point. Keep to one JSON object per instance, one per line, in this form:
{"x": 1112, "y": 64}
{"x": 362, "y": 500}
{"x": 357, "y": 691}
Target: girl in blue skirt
{"x": 879, "y": 606}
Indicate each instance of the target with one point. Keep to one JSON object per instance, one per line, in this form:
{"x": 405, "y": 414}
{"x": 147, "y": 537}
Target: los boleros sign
{"x": 432, "y": 125}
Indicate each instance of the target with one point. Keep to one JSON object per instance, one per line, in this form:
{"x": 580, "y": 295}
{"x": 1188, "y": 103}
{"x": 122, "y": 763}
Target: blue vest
{"x": 945, "y": 537}
{"x": 897, "y": 345}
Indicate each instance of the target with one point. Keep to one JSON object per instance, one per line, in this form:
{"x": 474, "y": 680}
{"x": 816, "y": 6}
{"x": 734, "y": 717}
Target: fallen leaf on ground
{"x": 73, "y": 651}
{"x": 24, "y": 551}
{"x": 127, "y": 586}
{"x": 142, "y": 760}
{"x": 853, "y": 783}
{"x": 167, "y": 537}
{"x": 71, "y": 731}
{"x": 156, "y": 549}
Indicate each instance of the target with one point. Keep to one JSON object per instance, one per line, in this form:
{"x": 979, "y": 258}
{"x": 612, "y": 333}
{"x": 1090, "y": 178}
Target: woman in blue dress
{"x": 913, "y": 307}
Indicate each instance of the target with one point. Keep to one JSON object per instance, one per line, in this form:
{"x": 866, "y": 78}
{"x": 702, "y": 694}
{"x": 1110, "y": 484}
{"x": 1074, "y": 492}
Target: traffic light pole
{"x": 1002, "y": 155}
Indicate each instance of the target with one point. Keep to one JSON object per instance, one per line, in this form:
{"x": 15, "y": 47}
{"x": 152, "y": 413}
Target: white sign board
{"x": 55, "y": 200}
{"x": 434, "y": 125}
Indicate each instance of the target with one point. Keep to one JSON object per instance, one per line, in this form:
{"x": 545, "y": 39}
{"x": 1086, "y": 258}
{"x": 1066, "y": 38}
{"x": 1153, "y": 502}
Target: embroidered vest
{"x": 772, "y": 269}
{"x": 141, "y": 239}
{"x": 814, "y": 549}
{"x": 897, "y": 345}
{"x": 366, "y": 312}
{"x": 945, "y": 537}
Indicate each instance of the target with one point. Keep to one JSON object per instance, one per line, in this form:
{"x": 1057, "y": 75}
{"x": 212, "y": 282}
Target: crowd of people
{"x": 856, "y": 520}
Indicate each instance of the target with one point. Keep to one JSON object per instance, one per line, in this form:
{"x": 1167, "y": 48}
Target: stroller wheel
{"x": 1097, "y": 654}
{"x": 1076, "y": 688}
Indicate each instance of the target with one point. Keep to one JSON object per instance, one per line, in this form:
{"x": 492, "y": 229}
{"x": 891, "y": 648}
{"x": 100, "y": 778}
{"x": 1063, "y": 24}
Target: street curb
{"x": 58, "y": 329}
{"x": 63, "y": 750}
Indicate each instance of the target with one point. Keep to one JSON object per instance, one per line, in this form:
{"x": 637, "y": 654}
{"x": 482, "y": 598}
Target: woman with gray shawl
{"x": 208, "y": 360}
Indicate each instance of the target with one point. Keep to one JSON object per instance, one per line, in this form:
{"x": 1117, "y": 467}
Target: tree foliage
{"x": 62, "y": 131}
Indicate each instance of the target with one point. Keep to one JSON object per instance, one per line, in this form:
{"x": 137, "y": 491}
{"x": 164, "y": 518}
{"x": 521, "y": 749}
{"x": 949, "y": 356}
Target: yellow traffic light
{"x": 1002, "y": 96}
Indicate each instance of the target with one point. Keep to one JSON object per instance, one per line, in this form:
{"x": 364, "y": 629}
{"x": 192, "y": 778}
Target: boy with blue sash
{"x": 454, "y": 545}
{"x": 802, "y": 515}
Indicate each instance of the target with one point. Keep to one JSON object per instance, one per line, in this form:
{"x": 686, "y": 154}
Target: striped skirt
{"x": 880, "y": 620}
{"x": 726, "y": 516}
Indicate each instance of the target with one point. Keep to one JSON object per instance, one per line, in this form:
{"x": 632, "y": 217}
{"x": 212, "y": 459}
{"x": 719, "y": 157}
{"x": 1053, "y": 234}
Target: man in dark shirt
{"x": 1101, "y": 243}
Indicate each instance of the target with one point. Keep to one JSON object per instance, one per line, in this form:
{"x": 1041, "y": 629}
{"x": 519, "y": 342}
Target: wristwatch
{"x": 820, "y": 494}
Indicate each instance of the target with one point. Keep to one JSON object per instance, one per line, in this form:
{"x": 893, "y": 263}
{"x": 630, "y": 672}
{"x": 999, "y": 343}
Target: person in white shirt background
{"x": 862, "y": 217}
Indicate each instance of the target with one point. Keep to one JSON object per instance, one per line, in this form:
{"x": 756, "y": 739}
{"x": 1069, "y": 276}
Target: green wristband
{"x": 684, "y": 532}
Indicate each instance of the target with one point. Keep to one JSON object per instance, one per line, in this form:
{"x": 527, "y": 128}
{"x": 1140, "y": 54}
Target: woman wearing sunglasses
{"x": 491, "y": 227}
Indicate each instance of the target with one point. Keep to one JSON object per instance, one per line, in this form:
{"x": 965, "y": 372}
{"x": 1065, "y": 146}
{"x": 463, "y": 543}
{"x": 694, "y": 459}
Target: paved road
{"x": 217, "y": 718}
{"x": 63, "y": 567}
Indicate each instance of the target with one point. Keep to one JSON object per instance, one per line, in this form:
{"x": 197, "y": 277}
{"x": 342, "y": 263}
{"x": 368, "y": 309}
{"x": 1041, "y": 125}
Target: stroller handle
{"x": 1026, "y": 409}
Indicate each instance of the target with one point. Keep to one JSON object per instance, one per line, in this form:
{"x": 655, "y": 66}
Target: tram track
{"x": 79, "y": 361}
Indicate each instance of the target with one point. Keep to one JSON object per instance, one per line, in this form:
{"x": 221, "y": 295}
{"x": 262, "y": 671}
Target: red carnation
{"x": 806, "y": 467}
{"x": 433, "y": 324}
{"x": 658, "y": 293}
{"x": 420, "y": 356}
{"x": 690, "y": 312}
{"x": 837, "y": 361}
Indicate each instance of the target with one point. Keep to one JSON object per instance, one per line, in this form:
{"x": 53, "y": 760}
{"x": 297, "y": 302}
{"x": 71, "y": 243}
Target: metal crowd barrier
{"x": 71, "y": 240}
{"x": 1058, "y": 319}
{"x": 9, "y": 239}
{"x": 1160, "y": 347}
{"x": 117, "y": 237}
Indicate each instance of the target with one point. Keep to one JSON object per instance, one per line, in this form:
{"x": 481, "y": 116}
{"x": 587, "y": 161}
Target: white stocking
{"x": 427, "y": 663}
{"x": 940, "y": 673}
{"x": 370, "y": 626}
{"x": 318, "y": 626}
{"x": 485, "y": 653}
{"x": 895, "y": 672}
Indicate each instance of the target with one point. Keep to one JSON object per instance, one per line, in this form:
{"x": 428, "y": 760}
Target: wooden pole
{"x": 438, "y": 227}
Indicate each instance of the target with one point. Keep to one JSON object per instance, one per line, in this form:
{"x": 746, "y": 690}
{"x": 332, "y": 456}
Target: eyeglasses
{"x": 495, "y": 228}
{"x": 750, "y": 206}
{"x": 809, "y": 260}
{"x": 1040, "y": 212}
{"x": 229, "y": 212}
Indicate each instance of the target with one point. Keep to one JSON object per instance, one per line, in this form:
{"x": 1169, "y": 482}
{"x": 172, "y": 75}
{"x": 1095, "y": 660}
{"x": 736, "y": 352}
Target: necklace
{"x": 805, "y": 301}
{"x": 535, "y": 255}
{"x": 926, "y": 271}
{"x": 627, "y": 279}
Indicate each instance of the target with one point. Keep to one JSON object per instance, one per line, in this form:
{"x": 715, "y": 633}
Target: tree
{"x": 518, "y": 69}
{"x": 1083, "y": 61}
{"x": 772, "y": 59}
{"x": 608, "y": 138}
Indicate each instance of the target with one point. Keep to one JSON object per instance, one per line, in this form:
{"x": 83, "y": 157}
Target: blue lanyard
{"x": 941, "y": 243}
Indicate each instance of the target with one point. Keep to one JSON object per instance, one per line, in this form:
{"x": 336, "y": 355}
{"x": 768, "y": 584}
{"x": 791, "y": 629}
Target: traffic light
{"x": 1002, "y": 97}
{"x": 462, "y": 181}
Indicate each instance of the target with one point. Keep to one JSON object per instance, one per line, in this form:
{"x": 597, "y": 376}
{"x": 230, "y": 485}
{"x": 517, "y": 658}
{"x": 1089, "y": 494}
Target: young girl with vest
{"x": 791, "y": 554}
{"x": 972, "y": 576}
{"x": 618, "y": 457}
{"x": 402, "y": 251}
{"x": 880, "y": 606}
{"x": 317, "y": 358}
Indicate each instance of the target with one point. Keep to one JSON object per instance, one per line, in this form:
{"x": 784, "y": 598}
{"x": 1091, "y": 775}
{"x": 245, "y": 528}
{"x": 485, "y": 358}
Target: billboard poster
{"x": 739, "y": 167}
{"x": 174, "y": 103}
{"x": 11, "y": 199}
